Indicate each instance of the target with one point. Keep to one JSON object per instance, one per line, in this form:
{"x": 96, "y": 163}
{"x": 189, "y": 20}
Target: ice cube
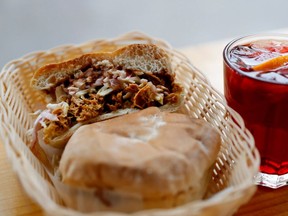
{"x": 266, "y": 56}
{"x": 272, "y": 76}
{"x": 244, "y": 56}
{"x": 245, "y": 51}
{"x": 260, "y": 58}
{"x": 262, "y": 45}
{"x": 269, "y": 45}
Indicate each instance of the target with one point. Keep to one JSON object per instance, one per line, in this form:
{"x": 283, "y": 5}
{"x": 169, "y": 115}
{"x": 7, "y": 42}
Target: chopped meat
{"x": 133, "y": 88}
{"x": 171, "y": 98}
{"x": 115, "y": 102}
{"x": 102, "y": 88}
{"x": 88, "y": 111}
{"x": 154, "y": 79}
{"x": 144, "y": 97}
{"x": 130, "y": 91}
{"x": 86, "y": 108}
{"x": 56, "y": 128}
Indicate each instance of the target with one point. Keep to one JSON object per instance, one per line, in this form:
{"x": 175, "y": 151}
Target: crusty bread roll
{"x": 160, "y": 159}
{"x": 99, "y": 86}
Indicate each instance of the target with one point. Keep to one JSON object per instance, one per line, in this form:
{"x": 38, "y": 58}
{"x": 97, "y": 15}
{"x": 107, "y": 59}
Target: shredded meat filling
{"x": 102, "y": 88}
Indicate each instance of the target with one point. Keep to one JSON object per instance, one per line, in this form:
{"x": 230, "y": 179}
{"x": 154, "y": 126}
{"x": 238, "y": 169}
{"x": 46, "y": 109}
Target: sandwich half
{"x": 99, "y": 86}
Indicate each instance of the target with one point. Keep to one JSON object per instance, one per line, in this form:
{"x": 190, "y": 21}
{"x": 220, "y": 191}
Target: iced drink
{"x": 256, "y": 86}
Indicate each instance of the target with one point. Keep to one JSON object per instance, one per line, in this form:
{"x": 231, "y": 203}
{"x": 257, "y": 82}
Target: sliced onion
{"x": 105, "y": 90}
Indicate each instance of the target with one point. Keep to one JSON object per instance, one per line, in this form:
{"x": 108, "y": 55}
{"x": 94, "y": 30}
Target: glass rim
{"x": 250, "y": 38}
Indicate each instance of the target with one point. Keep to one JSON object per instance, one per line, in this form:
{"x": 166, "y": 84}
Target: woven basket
{"x": 232, "y": 182}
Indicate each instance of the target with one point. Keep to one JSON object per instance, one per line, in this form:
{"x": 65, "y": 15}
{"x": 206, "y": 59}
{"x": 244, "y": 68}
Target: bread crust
{"x": 146, "y": 57}
{"x": 156, "y": 155}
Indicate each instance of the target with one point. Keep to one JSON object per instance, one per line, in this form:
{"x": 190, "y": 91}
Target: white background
{"x": 31, "y": 25}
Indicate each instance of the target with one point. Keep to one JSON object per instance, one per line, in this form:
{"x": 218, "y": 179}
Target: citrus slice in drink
{"x": 271, "y": 64}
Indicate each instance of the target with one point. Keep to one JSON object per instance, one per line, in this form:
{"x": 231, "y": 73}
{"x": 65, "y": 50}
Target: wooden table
{"x": 207, "y": 58}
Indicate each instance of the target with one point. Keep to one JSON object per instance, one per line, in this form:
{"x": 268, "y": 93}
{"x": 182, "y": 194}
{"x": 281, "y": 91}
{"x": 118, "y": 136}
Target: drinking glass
{"x": 256, "y": 86}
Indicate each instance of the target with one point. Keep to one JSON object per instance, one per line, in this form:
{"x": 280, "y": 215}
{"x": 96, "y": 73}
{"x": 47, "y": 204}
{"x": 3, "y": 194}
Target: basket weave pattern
{"x": 232, "y": 181}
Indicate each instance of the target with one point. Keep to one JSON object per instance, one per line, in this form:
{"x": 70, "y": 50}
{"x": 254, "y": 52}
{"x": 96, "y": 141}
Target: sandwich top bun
{"x": 142, "y": 57}
{"x": 162, "y": 159}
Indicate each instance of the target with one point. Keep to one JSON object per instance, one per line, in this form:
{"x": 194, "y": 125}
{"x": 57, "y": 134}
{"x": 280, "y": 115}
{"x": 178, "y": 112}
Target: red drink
{"x": 256, "y": 86}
